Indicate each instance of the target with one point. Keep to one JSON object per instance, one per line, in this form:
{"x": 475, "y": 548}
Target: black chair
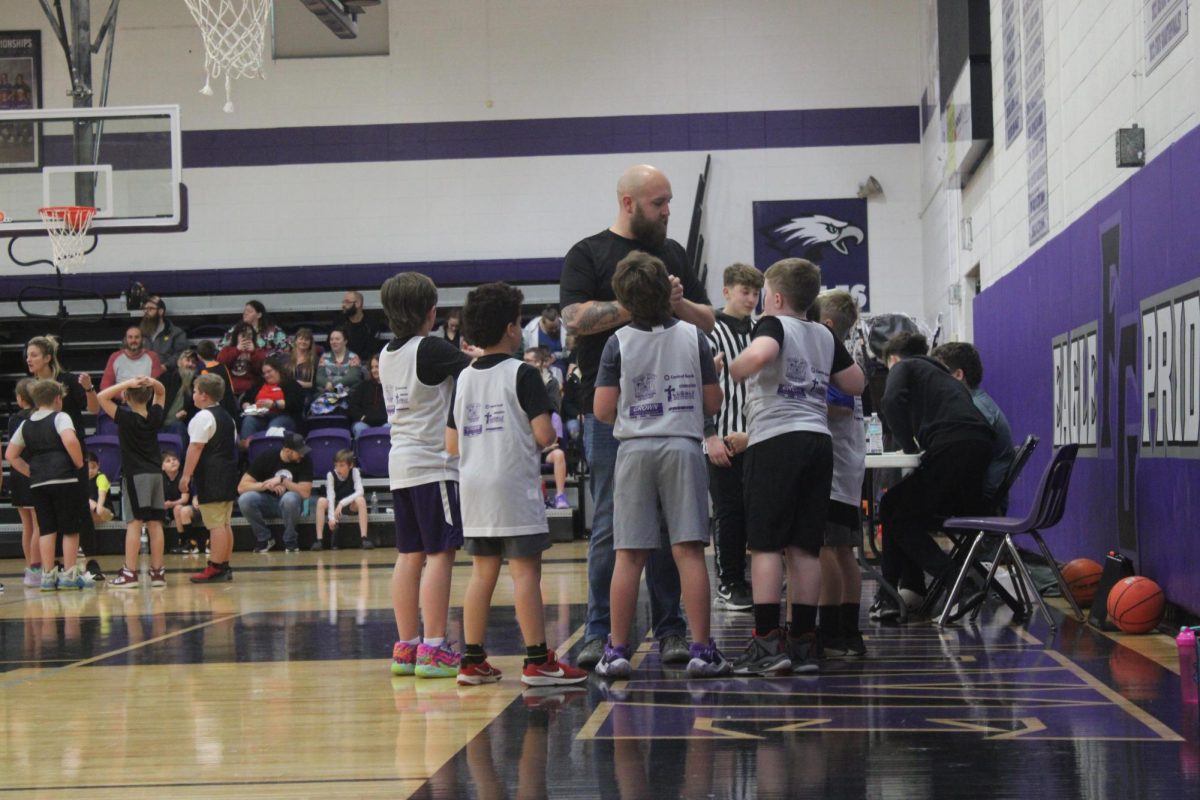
{"x": 961, "y": 541}
{"x": 1048, "y": 506}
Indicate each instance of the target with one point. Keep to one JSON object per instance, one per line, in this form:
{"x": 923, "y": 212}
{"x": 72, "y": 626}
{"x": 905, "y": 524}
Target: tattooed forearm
{"x": 594, "y": 316}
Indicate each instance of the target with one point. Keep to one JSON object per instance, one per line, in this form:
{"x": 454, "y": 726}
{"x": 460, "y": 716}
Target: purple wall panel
{"x": 1061, "y": 287}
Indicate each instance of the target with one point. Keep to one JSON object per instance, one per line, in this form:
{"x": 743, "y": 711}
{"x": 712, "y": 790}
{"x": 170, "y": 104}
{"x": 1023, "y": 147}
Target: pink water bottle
{"x": 1186, "y": 642}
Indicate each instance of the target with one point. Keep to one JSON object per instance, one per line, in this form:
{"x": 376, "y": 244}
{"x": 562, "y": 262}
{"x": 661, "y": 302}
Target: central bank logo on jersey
{"x": 473, "y": 426}
{"x": 644, "y": 386}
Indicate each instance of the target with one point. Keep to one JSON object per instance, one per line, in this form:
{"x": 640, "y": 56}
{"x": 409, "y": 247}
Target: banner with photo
{"x": 830, "y": 233}
{"x": 20, "y": 88}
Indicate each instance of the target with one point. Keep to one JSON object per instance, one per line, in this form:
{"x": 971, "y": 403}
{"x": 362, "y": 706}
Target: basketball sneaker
{"x": 158, "y": 577}
{"x": 551, "y": 673}
{"x": 33, "y": 576}
{"x": 615, "y": 662}
{"x": 404, "y": 658}
{"x": 804, "y": 652}
{"x": 124, "y": 579}
{"x": 763, "y": 655}
{"x": 477, "y": 673}
{"x": 212, "y": 574}
{"x": 734, "y": 596}
{"x": 707, "y": 661}
{"x": 50, "y": 579}
{"x": 72, "y": 578}
{"x": 437, "y": 662}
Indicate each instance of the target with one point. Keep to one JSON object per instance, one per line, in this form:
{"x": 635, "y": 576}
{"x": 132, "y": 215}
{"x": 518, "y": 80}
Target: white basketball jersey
{"x": 501, "y": 485}
{"x": 789, "y": 393}
{"x": 849, "y": 455}
{"x": 417, "y": 414}
{"x": 661, "y": 390}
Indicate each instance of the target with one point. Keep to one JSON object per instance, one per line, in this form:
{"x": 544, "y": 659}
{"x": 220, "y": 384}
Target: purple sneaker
{"x": 706, "y": 661}
{"x": 615, "y": 663}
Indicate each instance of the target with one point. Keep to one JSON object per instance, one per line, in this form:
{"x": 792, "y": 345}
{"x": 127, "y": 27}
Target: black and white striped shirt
{"x": 730, "y": 336}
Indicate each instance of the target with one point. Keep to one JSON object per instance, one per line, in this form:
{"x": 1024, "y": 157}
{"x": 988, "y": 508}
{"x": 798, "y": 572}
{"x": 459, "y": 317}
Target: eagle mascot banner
{"x": 830, "y": 233}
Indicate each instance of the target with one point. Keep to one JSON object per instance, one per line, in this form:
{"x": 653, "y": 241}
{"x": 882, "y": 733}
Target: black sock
{"x": 474, "y": 654}
{"x": 848, "y": 615}
{"x": 766, "y": 618}
{"x": 804, "y": 619}
{"x": 536, "y": 653}
{"x": 830, "y": 620}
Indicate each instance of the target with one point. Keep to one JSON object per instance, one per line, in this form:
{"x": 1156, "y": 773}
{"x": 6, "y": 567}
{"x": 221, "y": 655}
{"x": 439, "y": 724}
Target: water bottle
{"x": 874, "y": 435}
{"x": 1188, "y": 676}
{"x": 374, "y": 502}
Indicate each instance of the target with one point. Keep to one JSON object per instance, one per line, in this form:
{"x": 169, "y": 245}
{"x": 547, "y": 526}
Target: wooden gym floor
{"x": 277, "y": 685}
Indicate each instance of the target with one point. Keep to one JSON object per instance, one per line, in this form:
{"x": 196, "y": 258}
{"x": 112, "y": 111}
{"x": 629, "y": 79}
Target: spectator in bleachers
{"x": 361, "y": 335}
{"x": 367, "y": 409}
{"x": 547, "y": 330}
{"x": 542, "y": 360}
{"x": 571, "y": 413}
{"x": 276, "y": 484}
{"x": 274, "y": 401}
{"x": 177, "y": 380}
{"x": 305, "y": 354}
{"x": 133, "y": 360}
{"x": 451, "y": 329}
{"x": 176, "y": 509}
{"x": 343, "y": 491}
{"x": 79, "y": 395}
{"x": 163, "y": 337}
{"x": 267, "y": 335}
{"x": 244, "y": 359}
{"x": 340, "y": 366}
{"x": 207, "y": 364}
{"x": 19, "y": 491}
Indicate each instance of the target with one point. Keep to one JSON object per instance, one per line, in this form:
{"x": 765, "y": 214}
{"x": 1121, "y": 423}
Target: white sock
{"x": 414, "y": 642}
{"x": 435, "y": 641}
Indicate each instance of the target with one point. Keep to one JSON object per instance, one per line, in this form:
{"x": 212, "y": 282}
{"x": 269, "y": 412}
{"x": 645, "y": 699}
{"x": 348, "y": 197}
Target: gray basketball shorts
{"x": 660, "y": 473}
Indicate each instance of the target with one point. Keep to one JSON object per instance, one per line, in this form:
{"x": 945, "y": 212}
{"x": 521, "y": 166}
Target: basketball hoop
{"x": 68, "y": 228}
{"x": 234, "y": 34}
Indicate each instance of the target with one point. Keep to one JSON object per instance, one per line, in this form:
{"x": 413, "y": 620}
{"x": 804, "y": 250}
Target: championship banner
{"x": 20, "y": 89}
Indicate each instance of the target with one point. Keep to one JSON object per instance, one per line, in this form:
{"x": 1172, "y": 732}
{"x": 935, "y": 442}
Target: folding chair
{"x": 325, "y": 444}
{"x": 262, "y": 443}
{"x": 1048, "y": 506}
{"x": 373, "y": 448}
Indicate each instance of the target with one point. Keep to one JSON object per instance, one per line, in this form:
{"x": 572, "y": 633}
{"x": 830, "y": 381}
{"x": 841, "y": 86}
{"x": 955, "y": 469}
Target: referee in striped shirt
{"x": 726, "y": 438}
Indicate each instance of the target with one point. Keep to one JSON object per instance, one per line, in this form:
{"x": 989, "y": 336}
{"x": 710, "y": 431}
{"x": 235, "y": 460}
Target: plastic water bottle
{"x": 1188, "y": 676}
{"x": 374, "y": 502}
{"x": 874, "y": 435}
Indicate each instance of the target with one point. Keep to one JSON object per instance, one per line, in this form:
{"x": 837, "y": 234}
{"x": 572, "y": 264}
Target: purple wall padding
{"x": 1059, "y": 289}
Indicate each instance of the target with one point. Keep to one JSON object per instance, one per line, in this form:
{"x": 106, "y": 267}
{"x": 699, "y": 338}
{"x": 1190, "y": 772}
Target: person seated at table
{"x": 928, "y": 410}
{"x": 274, "y": 401}
{"x": 964, "y": 363}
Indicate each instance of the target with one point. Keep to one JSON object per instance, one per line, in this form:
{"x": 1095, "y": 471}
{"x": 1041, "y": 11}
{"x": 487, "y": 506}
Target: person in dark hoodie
{"x": 928, "y": 411}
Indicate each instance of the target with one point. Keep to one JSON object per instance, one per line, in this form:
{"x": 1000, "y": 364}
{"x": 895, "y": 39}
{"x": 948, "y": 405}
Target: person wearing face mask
{"x": 361, "y": 335}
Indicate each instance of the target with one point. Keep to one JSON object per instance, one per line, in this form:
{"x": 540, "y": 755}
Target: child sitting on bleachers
{"x": 98, "y": 488}
{"x": 183, "y": 513}
{"x": 343, "y": 489}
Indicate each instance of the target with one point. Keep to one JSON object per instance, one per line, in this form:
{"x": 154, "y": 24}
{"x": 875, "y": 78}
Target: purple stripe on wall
{"x": 831, "y": 127}
{"x": 336, "y": 277}
{"x": 1059, "y": 289}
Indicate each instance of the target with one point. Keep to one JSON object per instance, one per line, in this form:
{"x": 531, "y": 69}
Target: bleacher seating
{"x": 263, "y": 443}
{"x": 108, "y": 450}
{"x": 325, "y": 443}
{"x": 372, "y": 449}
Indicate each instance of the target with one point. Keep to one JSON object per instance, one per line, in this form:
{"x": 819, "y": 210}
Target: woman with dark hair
{"x": 243, "y": 359}
{"x": 274, "y": 401}
{"x": 367, "y": 409}
{"x": 267, "y": 335}
{"x": 304, "y": 358}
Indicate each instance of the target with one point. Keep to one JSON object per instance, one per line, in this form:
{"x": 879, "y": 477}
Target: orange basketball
{"x": 1082, "y": 576}
{"x": 1136, "y": 604}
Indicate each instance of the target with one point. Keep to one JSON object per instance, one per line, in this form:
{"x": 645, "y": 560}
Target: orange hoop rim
{"x": 63, "y": 211}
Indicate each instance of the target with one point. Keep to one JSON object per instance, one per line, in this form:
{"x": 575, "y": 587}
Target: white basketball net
{"x": 234, "y": 34}
{"x": 68, "y": 229}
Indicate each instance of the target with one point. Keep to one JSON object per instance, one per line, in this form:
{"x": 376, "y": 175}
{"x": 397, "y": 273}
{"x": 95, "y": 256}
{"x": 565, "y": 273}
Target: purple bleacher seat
{"x": 322, "y": 421}
{"x": 325, "y": 443}
{"x": 372, "y": 448}
{"x": 105, "y": 425}
{"x": 171, "y": 441}
{"x": 262, "y": 443}
{"x": 108, "y": 449}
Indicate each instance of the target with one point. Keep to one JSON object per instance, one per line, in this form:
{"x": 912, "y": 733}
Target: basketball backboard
{"x": 127, "y": 162}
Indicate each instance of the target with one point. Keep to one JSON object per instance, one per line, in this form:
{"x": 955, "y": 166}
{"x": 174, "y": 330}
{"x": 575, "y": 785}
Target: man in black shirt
{"x": 276, "y": 484}
{"x": 361, "y": 335}
{"x": 928, "y": 410}
{"x": 591, "y": 312}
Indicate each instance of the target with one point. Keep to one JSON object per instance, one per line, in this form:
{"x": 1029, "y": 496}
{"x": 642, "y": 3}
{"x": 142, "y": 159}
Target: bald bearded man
{"x": 591, "y": 312}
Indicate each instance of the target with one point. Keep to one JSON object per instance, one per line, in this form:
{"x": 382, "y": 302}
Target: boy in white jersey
{"x": 500, "y": 419}
{"x": 656, "y": 384}
{"x": 841, "y": 582}
{"x": 417, "y": 372}
{"x": 788, "y": 367}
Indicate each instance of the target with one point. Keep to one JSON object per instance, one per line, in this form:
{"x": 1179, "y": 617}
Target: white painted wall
{"x": 1095, "y": 84}
{"x": 477, "y": 60}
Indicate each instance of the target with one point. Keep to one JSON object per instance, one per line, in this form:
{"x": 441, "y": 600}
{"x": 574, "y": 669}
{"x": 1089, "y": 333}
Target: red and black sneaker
{"x": 212, "y": 574}
{"x": 476, "y": 674}
{"x": 551, "y": 673}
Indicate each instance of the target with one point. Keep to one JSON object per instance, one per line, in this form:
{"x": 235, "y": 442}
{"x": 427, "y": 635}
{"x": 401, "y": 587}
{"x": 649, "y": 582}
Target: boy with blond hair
{"x": 418, "y": 372}
{"x": 788, "y": 367}
{"x": 656, "y": 384}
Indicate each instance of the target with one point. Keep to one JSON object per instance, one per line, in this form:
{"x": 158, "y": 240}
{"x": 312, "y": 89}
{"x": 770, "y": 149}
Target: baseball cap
{"x": 295, "y": 441}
